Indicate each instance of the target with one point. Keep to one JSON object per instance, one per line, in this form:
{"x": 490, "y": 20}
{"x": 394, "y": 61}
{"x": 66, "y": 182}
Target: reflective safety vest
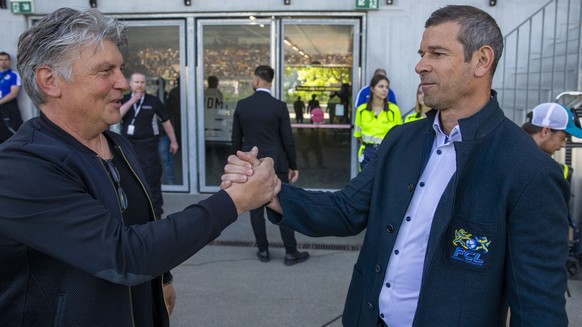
{"x": 567, "y": 172}
{"x": 412, "y": 117}
{"x": 372, "y": 129}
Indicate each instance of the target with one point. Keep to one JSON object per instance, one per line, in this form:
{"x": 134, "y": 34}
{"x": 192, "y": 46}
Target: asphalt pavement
{"x": 225, "y": 285}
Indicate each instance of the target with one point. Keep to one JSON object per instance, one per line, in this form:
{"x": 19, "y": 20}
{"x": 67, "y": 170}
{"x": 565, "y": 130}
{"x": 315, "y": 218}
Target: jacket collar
{"x": 52, "y": 129}
{"x": 481, "y": 123}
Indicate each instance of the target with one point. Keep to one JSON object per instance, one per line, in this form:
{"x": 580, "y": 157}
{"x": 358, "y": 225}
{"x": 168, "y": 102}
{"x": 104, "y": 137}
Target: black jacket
{"x": 66, "y": 257}
{"x": 263, "y": 121}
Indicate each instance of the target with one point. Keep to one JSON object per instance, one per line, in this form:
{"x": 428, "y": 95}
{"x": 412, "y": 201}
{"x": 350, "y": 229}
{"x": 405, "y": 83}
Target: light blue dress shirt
{"x": 399, "y": 295}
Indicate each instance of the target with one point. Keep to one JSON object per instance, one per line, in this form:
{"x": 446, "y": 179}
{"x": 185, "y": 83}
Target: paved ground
{"x": 225, "y": 285}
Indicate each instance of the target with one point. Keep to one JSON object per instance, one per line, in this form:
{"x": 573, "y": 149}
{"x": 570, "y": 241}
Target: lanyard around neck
{"x": 136, "y": 109}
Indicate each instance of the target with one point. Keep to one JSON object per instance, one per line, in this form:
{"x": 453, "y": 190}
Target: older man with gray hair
{"x": 80, "y": 243}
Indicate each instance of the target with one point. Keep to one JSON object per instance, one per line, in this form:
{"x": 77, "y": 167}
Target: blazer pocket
{"x": 471, "y": 246}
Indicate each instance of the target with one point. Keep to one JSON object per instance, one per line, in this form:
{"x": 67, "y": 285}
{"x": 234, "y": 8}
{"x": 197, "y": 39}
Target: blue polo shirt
{"x": 9, "y": 79}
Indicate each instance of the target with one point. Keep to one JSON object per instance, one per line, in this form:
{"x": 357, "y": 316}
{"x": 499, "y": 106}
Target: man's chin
{"x": 114, "y": 119}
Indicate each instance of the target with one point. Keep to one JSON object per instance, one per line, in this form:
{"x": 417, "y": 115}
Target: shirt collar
{"x": 264, "y": 90}
{"x": 441, "y": 137}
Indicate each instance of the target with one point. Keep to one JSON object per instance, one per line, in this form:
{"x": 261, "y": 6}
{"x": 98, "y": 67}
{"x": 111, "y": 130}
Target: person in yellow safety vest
{"x": 420, "y": 109}
{"x": 374, "y": 119}
{"x": 567, "y": 172}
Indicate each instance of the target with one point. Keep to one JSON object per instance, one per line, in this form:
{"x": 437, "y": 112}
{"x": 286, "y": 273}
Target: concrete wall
{"x": 392, "y": 33}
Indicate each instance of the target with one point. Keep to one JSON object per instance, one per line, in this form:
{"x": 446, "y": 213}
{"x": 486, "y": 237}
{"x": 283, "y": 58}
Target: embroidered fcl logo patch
{"x": 469, "y": 248}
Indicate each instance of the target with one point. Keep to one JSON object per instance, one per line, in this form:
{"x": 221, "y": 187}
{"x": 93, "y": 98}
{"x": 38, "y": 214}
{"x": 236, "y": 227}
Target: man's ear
{"x": 545, "y": 132}
{"x": 485, "y": 56}
{"x": 48, "y": 82}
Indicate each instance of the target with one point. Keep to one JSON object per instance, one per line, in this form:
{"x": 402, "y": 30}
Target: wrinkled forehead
{"x": 444, "y": 35}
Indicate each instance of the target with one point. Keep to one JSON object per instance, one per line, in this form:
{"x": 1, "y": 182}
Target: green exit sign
{"x": 21, "y": 7}
{"x": 367, "y": 4}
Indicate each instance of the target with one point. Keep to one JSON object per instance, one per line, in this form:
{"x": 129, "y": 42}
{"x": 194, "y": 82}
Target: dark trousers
{"x": 149, "y": 160}
{"x": 260, "y": 230}
{"x": 10, "y": 119}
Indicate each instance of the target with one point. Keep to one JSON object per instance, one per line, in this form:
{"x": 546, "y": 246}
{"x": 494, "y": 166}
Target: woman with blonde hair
{"x": 420, "y": 109}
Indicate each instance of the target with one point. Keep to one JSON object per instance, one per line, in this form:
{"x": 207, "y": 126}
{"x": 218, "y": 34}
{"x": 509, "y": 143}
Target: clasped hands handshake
{"x": 252, "y": 182}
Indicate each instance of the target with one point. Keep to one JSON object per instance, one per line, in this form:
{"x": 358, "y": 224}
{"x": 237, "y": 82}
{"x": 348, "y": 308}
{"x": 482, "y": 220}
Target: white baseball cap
{"x": 557, "y": 117}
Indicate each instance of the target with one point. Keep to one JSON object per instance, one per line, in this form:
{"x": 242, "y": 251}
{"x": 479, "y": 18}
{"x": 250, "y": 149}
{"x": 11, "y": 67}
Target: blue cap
{"x": 557, "y": 117}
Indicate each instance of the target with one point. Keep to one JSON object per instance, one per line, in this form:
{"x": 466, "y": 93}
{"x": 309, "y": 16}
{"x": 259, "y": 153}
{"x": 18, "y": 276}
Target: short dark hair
{"x": 530, "y": 128}
{"x": 380, "y": 71}
{"x": 477, "y": 29}
{"x": 266, "y": 73}
{"x": 2, "y": 53}
{"x": 212, "y": 81}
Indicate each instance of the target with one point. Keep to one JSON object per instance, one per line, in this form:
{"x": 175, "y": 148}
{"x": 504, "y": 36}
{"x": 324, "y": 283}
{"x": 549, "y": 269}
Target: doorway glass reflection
{"x": 230, "y": 55}
{"x": 154, "y": 49}
{"x": 317, "y": 64}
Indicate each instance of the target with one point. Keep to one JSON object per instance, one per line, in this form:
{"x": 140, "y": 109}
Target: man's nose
{"x": 421, "y": 66}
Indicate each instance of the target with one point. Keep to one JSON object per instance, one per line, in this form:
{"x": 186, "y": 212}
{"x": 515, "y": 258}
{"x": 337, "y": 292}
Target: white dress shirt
{"x": 399, "y": 295}
{"x": 264, "y": 90}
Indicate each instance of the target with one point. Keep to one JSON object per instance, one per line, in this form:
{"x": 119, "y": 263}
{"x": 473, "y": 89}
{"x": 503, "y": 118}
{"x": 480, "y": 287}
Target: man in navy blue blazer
{"x": 463, "y": 214}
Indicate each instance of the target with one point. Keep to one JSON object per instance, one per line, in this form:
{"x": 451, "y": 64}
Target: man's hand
{"x": 239, "y": 167}
{"x": 255, "y": 182}
{"x": 174, "y": 147}
{"x": 135, "y": 97}
{"x": 169, "y": 297}
{"x": 293, "y": 175}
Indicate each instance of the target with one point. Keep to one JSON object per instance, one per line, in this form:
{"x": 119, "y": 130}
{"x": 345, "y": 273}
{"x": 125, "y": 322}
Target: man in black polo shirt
{"x": 140, "y": 112}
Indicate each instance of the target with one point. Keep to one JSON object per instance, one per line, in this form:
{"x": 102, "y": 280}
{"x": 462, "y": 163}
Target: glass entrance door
{"x": 319, "y": 64}
{"x": 313, "y": 59}
{"x": 228, "y": 52}
{"x": 157, "y": 50}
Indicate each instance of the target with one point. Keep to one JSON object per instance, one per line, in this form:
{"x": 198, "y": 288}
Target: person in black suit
{"x": 263, "y": 121}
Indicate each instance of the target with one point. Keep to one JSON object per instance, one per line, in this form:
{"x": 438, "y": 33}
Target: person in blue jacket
{"x": 10, "y": 119}
{"x": 463, "y": 214}
{"x": 80, "y": 242}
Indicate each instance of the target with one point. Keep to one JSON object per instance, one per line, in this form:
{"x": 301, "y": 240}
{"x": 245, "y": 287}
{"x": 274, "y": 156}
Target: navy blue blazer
{"x": 263, "y": 121}
{"x": 505, "y": 191}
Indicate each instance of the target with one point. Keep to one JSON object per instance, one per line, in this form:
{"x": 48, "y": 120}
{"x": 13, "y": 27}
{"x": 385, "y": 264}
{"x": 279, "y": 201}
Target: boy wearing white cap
{"x": 549, "y": 125}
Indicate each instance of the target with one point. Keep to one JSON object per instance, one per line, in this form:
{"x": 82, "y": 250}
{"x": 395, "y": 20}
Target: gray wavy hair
{"x": 57, "y": 40}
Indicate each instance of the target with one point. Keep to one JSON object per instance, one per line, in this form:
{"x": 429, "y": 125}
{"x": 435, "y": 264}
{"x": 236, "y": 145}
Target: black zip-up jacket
{"x": 66, "y": 257}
